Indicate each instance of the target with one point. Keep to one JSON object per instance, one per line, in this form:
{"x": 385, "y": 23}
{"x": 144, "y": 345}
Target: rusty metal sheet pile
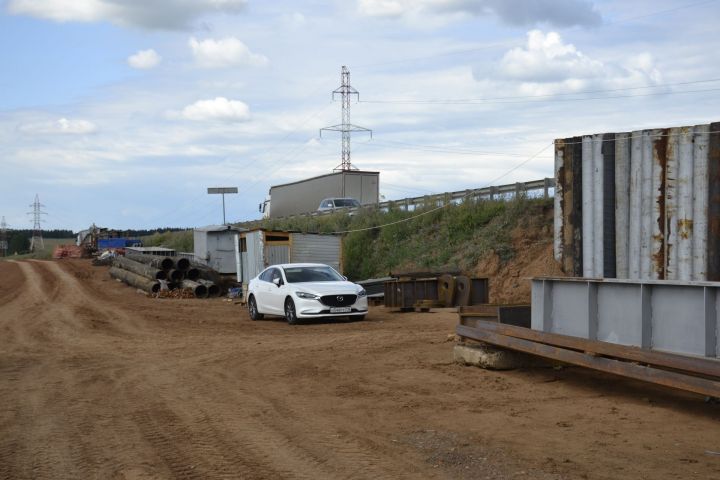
{"x": 639, "y": 205}
{"x": 445, "y": 290}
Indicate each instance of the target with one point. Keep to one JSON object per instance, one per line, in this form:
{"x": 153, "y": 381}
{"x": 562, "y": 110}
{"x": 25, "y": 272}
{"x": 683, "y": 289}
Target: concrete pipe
{"x": 192, "y": 274}
{"x": 182, "y": 264}
{"x": 147, "y": 271}
{"x": 135, "y": 280}
{"x": 198, "y": 289}
{"x": 163, "y": 263}
{"x": 176, "y": 275}
{"x": 212, "y": 288}
{"x": 207, "y": 273}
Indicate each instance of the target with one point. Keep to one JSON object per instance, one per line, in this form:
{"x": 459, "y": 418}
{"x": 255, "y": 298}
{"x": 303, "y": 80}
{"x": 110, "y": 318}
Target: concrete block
{"x": 493, "y": 358}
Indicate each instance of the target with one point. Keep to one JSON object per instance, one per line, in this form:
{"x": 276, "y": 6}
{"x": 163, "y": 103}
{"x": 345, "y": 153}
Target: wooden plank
{"x": 666, "y": 378}
{"x": 699, "y": 366}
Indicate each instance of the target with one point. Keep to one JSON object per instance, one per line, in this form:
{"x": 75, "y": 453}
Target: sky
{"x": 122, "y": 112}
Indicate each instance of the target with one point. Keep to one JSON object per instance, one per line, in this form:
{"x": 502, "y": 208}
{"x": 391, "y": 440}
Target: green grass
{"x": 457, "y": 236}
{"x": 181, "y": 241}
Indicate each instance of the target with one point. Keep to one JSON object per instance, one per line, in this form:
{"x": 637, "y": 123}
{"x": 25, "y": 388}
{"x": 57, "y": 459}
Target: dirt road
{"x": 100, "y": 382}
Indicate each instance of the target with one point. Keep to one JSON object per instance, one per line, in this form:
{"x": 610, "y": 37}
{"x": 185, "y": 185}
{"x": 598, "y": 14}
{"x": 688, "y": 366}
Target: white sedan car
{"x": 305, "y": 290}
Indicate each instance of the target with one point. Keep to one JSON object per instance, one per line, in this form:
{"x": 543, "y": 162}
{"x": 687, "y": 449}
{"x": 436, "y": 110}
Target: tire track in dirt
{"x": 98, "y": 314}
{"x": 341, "y": 451}
{"x": 195, "y": 441}
{"x": 270, "y": 433}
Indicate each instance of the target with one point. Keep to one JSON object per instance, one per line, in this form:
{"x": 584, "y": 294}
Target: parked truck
{"x": 305, "y": 196}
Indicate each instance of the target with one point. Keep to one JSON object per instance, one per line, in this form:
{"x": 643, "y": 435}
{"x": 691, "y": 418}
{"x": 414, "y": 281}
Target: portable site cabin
{"x": 214, "y": 246}
{"x": 261, "y": 248}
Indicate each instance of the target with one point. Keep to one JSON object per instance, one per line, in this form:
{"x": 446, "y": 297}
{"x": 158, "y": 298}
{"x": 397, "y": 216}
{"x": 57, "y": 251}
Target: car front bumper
{"x": 307, "y": 308}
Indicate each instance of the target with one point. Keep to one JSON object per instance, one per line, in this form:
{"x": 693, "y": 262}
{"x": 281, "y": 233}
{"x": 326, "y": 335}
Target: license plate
{"x": 340, "y": 310}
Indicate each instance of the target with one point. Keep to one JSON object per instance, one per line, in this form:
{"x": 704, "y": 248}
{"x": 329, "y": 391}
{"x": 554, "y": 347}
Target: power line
{"x": 550, "y": 95}
{"x": 528, "y": 101}
{"x": 440, "y": 149}
{"x": 659, "y": 12}
{"x": 243, "y": 169}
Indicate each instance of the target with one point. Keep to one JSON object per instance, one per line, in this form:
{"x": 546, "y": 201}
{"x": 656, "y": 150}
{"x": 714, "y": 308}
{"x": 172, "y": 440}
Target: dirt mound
{"x": 532, "y": 246}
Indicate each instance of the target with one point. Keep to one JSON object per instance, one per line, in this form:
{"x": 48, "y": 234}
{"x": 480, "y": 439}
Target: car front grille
{"x": 338, "y": 300}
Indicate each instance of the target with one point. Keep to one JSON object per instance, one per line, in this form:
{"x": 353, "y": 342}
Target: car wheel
{"x": 290, "y": 312}
{"x": 252, "y": 308}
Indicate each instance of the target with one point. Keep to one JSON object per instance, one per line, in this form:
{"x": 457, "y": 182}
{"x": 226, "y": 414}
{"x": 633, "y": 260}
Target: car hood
{"x": 327, "y": 288}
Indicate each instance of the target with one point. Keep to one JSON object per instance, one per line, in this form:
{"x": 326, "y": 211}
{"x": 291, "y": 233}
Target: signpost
{"x": 222, "y": 191}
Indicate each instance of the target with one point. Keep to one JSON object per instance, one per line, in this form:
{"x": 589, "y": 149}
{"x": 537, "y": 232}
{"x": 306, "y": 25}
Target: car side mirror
{"x": 277, "y": 282}
{"x": 344, "y": 277}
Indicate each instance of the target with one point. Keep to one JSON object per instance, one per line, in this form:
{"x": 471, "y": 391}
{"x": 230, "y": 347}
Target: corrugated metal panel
{"x": 221, "y": 251}
{"x": 276, "y": 254}
{"x": 623, "y": 183}
{"x": 317, "y": 249}
{"x": 254, "y": 262}
{"x": 200, "y": 246}
{"x": 639, "y": 205}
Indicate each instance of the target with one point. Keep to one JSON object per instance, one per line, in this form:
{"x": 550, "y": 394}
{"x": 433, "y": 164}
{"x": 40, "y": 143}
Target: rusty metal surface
{"x": 405, "y": 294}
{"x": 462, "y": 291}
{"x": 713, "y": 221}
{"x": 621, "y": 363}
{"x": 640, "y": 205}
{"x": 516, "y": 315}
{"x": 446, "y": 289}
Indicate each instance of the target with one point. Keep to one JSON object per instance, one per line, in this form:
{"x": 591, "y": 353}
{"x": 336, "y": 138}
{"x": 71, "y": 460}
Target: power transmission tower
{"x": 37, "y": 240}
{"x": 3, "y": 238}
{"x": 346, "y": 91}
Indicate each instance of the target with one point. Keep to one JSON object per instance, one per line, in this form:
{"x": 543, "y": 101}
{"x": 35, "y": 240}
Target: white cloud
{"x": 225, "y": 52}
{"x": 546, "y": 58}
{"x": 144, "y": 59}
{"x": 512, "y": 12}
{"x": 547, "y": 65}
{"x": 160, "y": 14}
{"x": 60, "y": 126}
{"x": 219, "y": 108}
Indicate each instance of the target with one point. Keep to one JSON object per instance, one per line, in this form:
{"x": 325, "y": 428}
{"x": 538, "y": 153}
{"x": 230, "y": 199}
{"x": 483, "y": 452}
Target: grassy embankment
{"x": 458, "y": 236}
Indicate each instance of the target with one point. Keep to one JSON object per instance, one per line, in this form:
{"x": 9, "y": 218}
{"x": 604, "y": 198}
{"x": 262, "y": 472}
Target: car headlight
{"x": 362, "y": 293}
{"x": 307, "y": 296}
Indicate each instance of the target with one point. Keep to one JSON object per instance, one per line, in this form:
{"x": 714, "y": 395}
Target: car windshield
{"x": 346, "y": 202}
{"x": 312, "y": 274}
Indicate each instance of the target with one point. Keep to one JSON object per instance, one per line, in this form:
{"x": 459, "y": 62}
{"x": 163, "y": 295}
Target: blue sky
{"x": 122, "y": 113}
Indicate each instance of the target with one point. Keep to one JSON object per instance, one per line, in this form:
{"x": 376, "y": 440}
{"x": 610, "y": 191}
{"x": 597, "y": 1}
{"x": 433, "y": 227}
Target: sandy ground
{"x": 100, "y": 382}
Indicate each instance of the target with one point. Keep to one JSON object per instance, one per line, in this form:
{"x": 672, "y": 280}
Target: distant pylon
{"x": 37, "y": 240}
{"x": 3, "y": 238}
{"x": 346, "y": 91}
